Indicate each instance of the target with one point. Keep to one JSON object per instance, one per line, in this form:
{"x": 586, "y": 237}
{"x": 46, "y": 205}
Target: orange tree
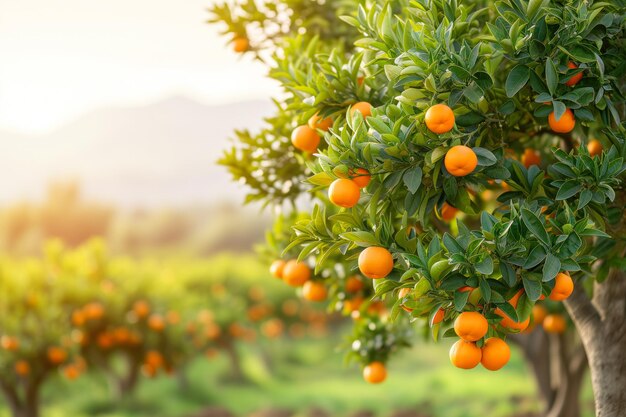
{"x": 505, "y": 116}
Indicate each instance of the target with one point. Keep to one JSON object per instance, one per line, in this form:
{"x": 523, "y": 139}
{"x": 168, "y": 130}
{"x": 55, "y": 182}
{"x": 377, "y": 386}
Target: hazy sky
{"x": 62, "y": 58}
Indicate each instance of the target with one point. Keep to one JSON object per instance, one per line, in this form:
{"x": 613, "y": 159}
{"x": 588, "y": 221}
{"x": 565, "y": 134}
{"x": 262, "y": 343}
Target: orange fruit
{"x": 277, "y": 268}
{"x": 495, "y": 353}
{"x": 362, "y": 107}
{"x": 154, "y": 359}
{"x": 78, "y": 318}
{"x": 22, "y": 368}
{"x": 241, "y": 44}
{"x": 273, "y": 328}
{"x": 508, "y": 322}
{"x": 576, "y": 78}
{"x": 530, "y": 157}
{"x": 471, "y": 326}
{"x": 439, "y": 119}
{"x": 375, "y": 262}
{"x": 296, "y": 273}
{"x": 71, "y": 372}
{"x": 594, "y": 147}
{"x": 375, "y": 373}
{"x": 465, "y": 355}
{"x": 172, "y": 317}
{"x": 539, "y": 313}
{"x": 438, "y": 317}
{"x": 316, "y": 122}
{"x": 460, "y": 160}
{"x": 9, "y": 343}
{"x": 105, "y": 340}
{"x": 56, "y": 355}
{"x": 554, "y": 323}
{"x": 141, "y": 309}
{"x": 565, "y": 124}
{"x": 563, "y": 287}
{"x": 93, "y": 311}
{"x": 314, "y": 291}
{"x": 361, "y": 177}
{"x": 403, "y": 293}
{"x": 156, "y": 323}
{"x": 448, "y": 212}
{"x": 305, "y": 139}
{"x": 354, "y": 284}
{"x": 344, "y": 193}
{"x": 353, "y": 304}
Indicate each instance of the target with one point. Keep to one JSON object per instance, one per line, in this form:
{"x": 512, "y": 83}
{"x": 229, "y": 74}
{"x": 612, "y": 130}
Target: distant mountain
{"x": 162, "y": 153}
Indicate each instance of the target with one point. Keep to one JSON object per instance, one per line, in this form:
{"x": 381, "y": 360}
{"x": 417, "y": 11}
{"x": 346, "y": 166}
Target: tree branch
{"x": 582, "y": 312}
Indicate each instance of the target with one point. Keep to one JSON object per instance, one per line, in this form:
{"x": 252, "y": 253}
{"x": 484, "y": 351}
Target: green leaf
{"x": 552, "y": 76}
{"x": 361, "y": 238}
{"x": 412, "y": 179}
{"x": 460, "y": 300}
{"x": 569, "y": 189}
{"x": 531, "y": 287}
{"x": 485, "y": 157}
{"x": 485, "y": 267}
{"x": 535, "y": 226}
{"x": 516, "y": 80}
{"x": 551, "y": 267}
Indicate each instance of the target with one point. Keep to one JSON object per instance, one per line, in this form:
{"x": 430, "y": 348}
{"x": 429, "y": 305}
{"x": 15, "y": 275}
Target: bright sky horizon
{"x": 63, "y": 58}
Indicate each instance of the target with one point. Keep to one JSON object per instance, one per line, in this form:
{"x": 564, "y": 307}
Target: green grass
{"x": 310, "y": 374}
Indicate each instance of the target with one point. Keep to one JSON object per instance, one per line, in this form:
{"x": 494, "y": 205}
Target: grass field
{"x": 306, "y": 375}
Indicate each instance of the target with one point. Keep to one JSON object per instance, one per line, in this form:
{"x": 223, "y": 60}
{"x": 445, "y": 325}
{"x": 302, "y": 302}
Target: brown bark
{"x": 559, "y": 366}
{"x": 26, "y": 405}
{"x": 601, "y": 323}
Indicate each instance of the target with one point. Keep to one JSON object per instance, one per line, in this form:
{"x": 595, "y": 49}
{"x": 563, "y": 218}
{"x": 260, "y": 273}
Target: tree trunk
{"x": 559, "y": 366}
{"x": 601, "y": 323}
{"x": 236, "y": 371}
{"x": 22, "y": 407}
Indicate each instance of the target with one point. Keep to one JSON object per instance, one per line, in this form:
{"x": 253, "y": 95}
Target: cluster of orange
{"x": 298, "y": 274}
{"x": 472, "y": 326}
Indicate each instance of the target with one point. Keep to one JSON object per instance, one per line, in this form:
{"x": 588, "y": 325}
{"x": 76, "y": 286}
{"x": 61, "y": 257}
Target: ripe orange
{"x": 509, "y": 323}
{"x": 353, "y": 304}
{"x": 156, "y": 323}
{"x": 141, "y": 309}
{"x": 439, "y": 119}
{"x": 354, "y": 284}
{"x": 565, "y": 124}
{"x": 241, "y": 44}
{"x": 363, "y": 107}
{"x": 530, "y": 157}
{"x": 403, "y": 293}
{"x": 305, "y": 139}
{"x": 9, "y": 343}
{"x": 361, "y": 177}
{"x": 465, "y": 355}
{"x": 344, "y": 193}
{"x": 539, "y": 313}
{"x": 22, "y": 368}
{"x": 448, "y": 212}
{"x": 375, "y": 262}
{"x": 105, "y": 340}
{"x": 554, "y": 323}
{"x": 471, "y": 326}
{"x": 495, "y": 353}
{"x": 576, "y": 78}
{"x": 78, "y": 318}
{"x": 594, "y": 147}
{"x": 438, "y": 317}
{"x": 154, "y": 359}
{"x": 316, "y": 122}
{"x": 296, "y": 273}
{"x": 314, "y": 291}
{"x": 563, "y": 287}
{"x": 277, "y": 268}
{"x": 173, "y": 317}
{"x": 71, "y": 372}
{"x": 460, "y": 160}
{"x": 56, "y": 355}
{"x": 273, "y": 328}
{"x": 93, "y": 311}
{"x": 375, "y": 373}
